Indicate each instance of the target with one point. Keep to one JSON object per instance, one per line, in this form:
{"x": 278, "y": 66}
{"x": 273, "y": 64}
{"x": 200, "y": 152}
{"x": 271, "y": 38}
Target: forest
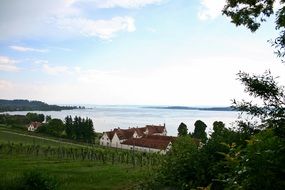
{"x": 26, "y": 105}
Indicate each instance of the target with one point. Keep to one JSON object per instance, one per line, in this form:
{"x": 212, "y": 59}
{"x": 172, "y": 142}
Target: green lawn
{"x": 73, "y": 175}
{"x": 17, "y": 138}
{"x": 9, "y": 134}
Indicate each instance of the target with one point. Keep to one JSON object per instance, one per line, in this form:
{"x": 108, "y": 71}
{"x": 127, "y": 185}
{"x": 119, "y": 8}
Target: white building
{"x": 34, "y": 126}
{"x": 151, "y": 138}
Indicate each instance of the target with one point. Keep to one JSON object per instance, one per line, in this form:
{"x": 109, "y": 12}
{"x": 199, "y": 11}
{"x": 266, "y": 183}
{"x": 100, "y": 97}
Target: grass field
{"x": 73, "y": 174}
{"x": 8, "y": 134}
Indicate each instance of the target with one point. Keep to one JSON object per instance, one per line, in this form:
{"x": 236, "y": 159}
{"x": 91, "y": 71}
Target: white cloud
{"x": 55, "y": 70}
{"x": 128, "y": 4}
{"x": 58, "y": 19}
{"x": 8, "y": 64}
{"x": 20, "y": 19}
{"x": 104, "y": 29}
{"x": 210, "y": 9}
{"x": 26, "y": 49}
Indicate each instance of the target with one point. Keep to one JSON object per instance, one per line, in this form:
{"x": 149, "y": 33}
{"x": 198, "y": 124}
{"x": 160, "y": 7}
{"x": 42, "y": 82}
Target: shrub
{"x": 30, "y": 180}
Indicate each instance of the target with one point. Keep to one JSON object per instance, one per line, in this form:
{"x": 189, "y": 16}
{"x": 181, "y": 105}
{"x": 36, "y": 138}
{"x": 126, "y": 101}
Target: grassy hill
{"x": 105, "y": 169}
{"x": 26, "y": 105}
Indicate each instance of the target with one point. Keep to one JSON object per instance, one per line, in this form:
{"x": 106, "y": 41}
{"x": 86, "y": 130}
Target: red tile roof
{"x": 152, "y": 129}
{"x": 128, "y": 133}
{"x": 151, "y": 141}
{"x": 110, "y": 134}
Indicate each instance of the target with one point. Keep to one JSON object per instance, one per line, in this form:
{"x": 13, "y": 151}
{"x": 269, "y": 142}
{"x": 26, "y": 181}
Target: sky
{"x": 128, "y": 52}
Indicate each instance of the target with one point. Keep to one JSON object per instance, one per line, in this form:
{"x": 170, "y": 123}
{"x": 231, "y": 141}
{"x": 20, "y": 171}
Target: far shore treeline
{"x": 27, "y": 105}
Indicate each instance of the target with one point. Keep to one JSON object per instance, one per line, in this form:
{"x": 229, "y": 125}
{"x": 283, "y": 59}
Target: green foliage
{"x": 13, "y": 119}
{"x": 36, "y": 179}
{"x": 79, "y": 129}
{"x": 178, "y": 169}
{"x": 26, "y": 105}
{"x": 252, "y": 13}
{"x": 182, "y": 130}
{"x": 48, "y": 118}
{"x": 199, "y": 131}
{"x": 35, "y": 117}
{"x": 272, "y": 110}
{"x": 54, "y": 127}
{"x": 31, "y": 180}
{"x": 218, "y": 126}
{"x": 262, "y": 163}
{"x": 73, "y": 175}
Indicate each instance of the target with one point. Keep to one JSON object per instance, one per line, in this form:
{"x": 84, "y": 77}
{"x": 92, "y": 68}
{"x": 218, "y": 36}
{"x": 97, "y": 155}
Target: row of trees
{"x": 79, "y": 129}
{"x": 199, "y": 130}
{"x": 23, "y": 119}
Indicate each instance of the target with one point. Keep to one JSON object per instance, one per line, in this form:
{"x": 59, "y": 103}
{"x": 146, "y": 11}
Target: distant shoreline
{"x": 27, "y": 105}
{"x": 191, "y": 108}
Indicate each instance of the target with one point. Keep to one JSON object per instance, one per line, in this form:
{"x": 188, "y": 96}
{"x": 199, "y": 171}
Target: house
{"x": 151, "y": 138}
{"x": 115, "y": 137}
{"x": 155, "y": 130}
{"x": 34, "y": 126}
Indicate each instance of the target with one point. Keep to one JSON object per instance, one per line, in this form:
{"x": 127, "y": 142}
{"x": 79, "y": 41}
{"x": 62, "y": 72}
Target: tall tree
{"x": 272, "y": 109}
{"x": 48, "y": 118}
{"x": 200, "y": 131}
{"x": 251, "y": 13}
{"x": 182, "y": 130}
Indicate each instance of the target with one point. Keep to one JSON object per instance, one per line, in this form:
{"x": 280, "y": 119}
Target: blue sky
{"x": 149, "y": 52}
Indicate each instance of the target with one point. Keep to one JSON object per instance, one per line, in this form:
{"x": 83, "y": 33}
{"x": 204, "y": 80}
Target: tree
{"x": 54, "y": 127}
{"x": 199, "y": 131}
{"x": 182, "y": 130}
{"x": 218, "y": 126}
{"x": 69, "y": 127}
{"x": 261, "y": 162}
{"x": 180, "y": 166}
{"x": 48, "y": 118}
{"x": 32, "y": 116}
{"x": 41, "y": 117}
{"x": 35, "y": 117}
{"x": 271, "y": 111}
{"x": 251, "y": 13}
{"x": 79, "y": 129}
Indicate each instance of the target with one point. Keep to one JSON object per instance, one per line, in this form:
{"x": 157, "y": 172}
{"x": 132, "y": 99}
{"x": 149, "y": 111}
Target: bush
{"x": 30, "y": 180}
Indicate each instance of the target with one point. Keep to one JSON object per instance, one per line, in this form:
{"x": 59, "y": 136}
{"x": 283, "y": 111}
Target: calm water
{"x": 109, "y": 117}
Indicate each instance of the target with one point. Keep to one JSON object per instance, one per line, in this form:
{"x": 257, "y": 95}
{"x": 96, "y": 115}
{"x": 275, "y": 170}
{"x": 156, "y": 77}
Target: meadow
{"x": 74, "y": 166}
{"x": 71, "y": 174}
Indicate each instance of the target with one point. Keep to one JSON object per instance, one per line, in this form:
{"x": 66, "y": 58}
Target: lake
{"x": 106, "y": 118}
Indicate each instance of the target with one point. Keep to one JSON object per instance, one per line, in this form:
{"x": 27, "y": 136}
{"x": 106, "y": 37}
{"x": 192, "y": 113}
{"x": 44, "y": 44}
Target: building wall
{"x": 31, "y": 128}
{"x": 116, "y": 141}
{"x": 104, "y": 140}
{"x": 142, "y": 149}
{"x": 135, "y": 135}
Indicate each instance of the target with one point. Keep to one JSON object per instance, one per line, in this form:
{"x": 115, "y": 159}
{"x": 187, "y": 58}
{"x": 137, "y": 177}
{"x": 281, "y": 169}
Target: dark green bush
{"x": 30, "y": 180}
